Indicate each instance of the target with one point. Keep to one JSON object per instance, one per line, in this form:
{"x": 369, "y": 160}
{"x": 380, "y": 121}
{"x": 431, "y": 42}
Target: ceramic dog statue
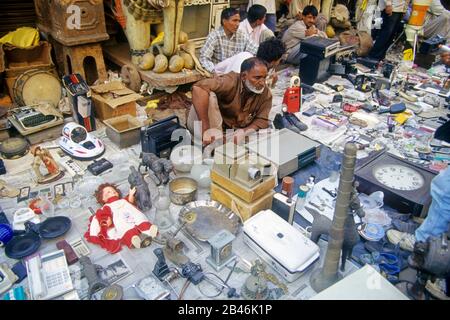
{"x": 143, "y": 196}
{"x": 158, "y": 169}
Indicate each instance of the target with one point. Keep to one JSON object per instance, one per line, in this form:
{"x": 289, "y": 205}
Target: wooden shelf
{"x": 120, "y": 55}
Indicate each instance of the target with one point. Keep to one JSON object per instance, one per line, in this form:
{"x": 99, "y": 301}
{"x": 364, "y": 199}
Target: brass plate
{"x": 210, "y": 218}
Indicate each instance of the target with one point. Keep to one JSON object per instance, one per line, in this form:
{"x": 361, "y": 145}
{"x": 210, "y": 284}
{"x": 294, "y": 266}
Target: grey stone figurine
{"x": 143, "y": 196}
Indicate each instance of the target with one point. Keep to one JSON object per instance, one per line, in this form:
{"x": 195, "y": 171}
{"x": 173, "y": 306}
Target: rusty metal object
{"x": 182, "y": 190}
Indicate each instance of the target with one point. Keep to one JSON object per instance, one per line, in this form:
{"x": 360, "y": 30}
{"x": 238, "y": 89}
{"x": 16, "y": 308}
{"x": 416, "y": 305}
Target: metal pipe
{"x": 328, "y": 274}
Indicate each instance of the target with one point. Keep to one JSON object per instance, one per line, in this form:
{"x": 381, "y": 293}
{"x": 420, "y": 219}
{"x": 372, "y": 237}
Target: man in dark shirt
{"x": 232, "y": 101}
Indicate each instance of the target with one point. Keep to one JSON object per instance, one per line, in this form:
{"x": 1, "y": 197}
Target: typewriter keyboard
{"x": 36, "y": 120}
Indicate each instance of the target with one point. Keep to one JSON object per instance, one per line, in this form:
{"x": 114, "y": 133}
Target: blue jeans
{"x": 271, "y": 21}
{"x": 438, "y": 218}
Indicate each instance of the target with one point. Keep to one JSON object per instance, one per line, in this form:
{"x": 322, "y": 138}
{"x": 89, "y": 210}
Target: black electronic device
{"x": 406, "y": 186}
{"x": 99, "y": 166}
{"x": 159, "y": 138}
{"x": 368, "y": 62}
{"x": 432, "y": 44}
{"x": 319, "y": 47}
{"x": 314, "y": 67}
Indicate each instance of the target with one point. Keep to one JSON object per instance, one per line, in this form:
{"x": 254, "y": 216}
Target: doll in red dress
{"x": 118, "y": 222}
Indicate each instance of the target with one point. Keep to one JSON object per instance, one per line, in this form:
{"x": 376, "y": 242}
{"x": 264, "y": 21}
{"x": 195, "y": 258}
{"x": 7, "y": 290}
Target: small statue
{"x": 158, "y": 169}
{"x": 118, "y": 222}
{"x": 43, "y": 156}
{"x": 90, "y": 271}
{"x": 143, "y": 196}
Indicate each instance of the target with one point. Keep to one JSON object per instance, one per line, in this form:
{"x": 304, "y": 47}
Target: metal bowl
{"x": 182, "y": 190}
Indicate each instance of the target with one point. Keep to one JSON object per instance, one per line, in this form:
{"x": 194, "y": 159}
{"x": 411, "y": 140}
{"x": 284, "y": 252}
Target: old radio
{"x": 160, "y": 137}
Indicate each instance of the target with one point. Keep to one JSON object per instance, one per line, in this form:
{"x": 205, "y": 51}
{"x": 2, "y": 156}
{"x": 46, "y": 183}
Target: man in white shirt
{"x": 437, "y": 21}
{"x": 271, "y": 18}
{"x": 224, "y": 43}
{"x": 254, "y": 25}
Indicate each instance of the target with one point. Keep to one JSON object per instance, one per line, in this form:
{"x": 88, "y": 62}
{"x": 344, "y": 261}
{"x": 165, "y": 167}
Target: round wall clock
{"x": 406, "y": 186}
{"x": 398, "y": 177}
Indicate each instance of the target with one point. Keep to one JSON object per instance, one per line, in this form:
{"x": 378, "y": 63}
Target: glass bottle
{"x": 301, "y": 197}
{"x": 162, "y": 216}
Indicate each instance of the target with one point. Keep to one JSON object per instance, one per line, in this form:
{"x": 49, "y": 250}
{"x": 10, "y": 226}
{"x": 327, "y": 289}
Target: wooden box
{"x": 248, "y": 195}
{"x": 72, "y": 22}
{"x": 114, "y": 99}
{"x": 124, "y": 130}
{"x": 244, "y": 209}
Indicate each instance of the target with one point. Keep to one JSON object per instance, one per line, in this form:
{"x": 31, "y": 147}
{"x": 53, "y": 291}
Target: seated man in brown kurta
{"x": 231, "y": 101}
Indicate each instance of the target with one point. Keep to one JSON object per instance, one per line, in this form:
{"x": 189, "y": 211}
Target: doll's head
{"x": 106, "y": 191}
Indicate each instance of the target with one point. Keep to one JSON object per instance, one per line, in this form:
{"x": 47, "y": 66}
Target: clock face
{"x": 225, "y": 251}
{"x": 398, "y": 177}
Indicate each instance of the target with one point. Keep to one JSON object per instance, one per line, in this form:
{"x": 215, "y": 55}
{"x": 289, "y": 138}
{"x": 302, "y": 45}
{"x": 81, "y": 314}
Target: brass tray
{"x": 204, "y": 219}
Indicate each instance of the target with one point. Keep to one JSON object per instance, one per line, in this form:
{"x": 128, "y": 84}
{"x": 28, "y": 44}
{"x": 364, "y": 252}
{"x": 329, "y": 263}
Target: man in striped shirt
{"x": 224, "y": 43}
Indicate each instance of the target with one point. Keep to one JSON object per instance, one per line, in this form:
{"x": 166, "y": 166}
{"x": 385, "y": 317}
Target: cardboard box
{"x": 114, "y": 99}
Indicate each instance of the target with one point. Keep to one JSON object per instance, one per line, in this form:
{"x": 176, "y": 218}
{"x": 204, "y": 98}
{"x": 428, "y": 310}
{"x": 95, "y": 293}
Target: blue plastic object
{"x": 6, "y": 234}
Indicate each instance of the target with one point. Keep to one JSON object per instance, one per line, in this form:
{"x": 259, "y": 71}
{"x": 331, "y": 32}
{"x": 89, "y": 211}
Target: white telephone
{"x": 48, "y": 276}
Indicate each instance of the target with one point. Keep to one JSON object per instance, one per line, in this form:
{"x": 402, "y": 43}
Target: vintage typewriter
{"x": 29, "y": 117}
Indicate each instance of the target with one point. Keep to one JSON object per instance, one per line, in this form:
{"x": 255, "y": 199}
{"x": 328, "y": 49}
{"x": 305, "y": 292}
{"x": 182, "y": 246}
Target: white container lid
{"x": 287, "y": 245}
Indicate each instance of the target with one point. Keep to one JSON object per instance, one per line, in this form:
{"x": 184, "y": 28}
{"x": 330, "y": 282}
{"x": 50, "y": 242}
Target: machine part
{"x": 193, "y": 272}
{"x": 161, "y": 268}
{"x": 324, "y": 277}
{"x": 90, "y": 272}
{"x": 130, "y": 76}
{"x": 173, "y": 250}
{"x": 255, "y": 287}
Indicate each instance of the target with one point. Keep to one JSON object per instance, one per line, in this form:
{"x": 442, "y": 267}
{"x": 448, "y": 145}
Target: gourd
{"x": 147, "y": 61}
{"x": 161, "y": 62}
{"x": 176, "y": 63}
{"x": 188, "y": 61}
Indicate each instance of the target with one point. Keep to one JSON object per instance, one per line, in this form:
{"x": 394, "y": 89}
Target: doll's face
{"x": 109, "y": 192}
